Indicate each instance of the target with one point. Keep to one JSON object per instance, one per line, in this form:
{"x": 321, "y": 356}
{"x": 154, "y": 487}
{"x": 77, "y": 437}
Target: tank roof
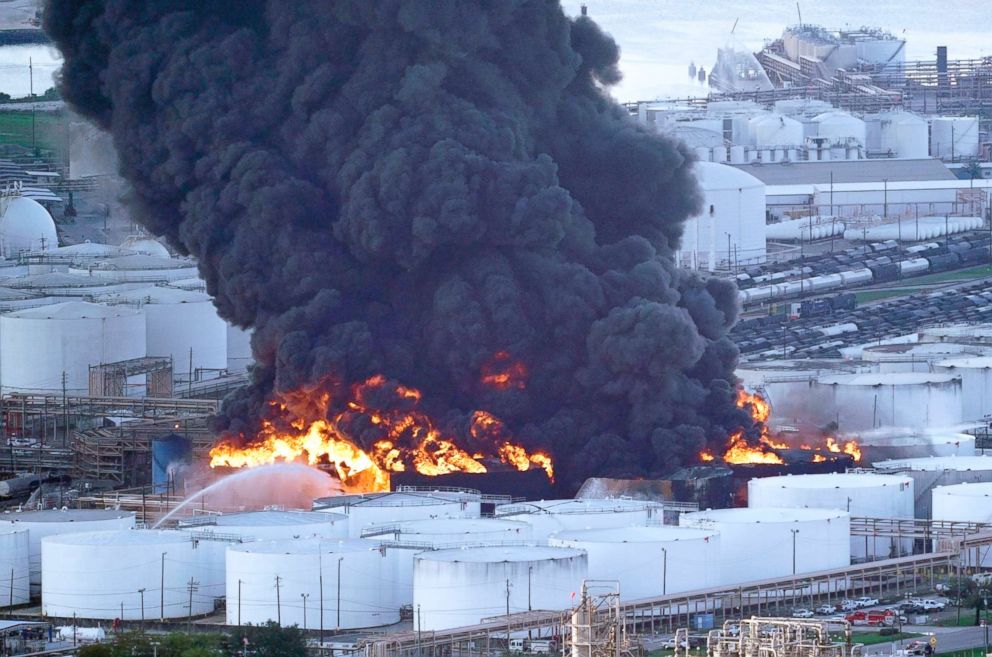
{"x": 58, "y": 279}
{"x": 458, "y": 525}
{"x": 769, "y": 515}
{"x": 887, "y": 379}
{"x": 264, "y": 519}
{"x": 583, "y": 505}
{"x": 659, "y": 534}
{"x": 142, "y": 261}
{"x": 500, "y": 554}
{"x": 308, "y": 546}
{"x": 11, "y": 294}
{"x": 980, "y": 489}
{"x": 938, "y": 463}
{"x": 833, "y": 480}
{"x": 713, "y": 176}
{"x": 122, "y": 537}
{"x": 65, "y": 515}
{"x": 434, "y": 498}
{"x": 73, "y": 310}
{"x": 968, "y": 362}
{"x": 161, "y": 294}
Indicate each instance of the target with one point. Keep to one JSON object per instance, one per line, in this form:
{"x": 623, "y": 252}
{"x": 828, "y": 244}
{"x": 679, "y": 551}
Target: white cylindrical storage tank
{"x": 703, "y": 153}
{"x": 376, "y": 509}
{"x": 452, "y": 588}
{"x": 15, "y": 580}
{"x": 25, "y": 226}
{"x": 444, "y": 533}
{"x": 146, "y": 246}
{"x": 840, "y": 127}
{"x": 904, "y": 135}
{"x": 976, "y": 384}
{"x": 104, "y": 575}
{"x": 180, "y": 324}
{"x": 66, "y": 521}
{"x": 719, "y": 153}
{"x": 549, "y": 517}
{"x": 40, "y": 344}
{"x": 775, "y": 130}
{"x": 139, "y": 268}
{"x": 918, "y": 356}
{"x": 954, "y": 137}
{"x": 273, "y": 580}
{"x": 270, "y": 525}
{"x": 858, "y": 402}
{"x": 648, "y": 561}
{"x": 966, "y": 503}
{"x": 929, "y": 472}
{"x": 757, "y": 544}
{"x": 862, "y": 495}
{"x": 736, "y": 154}
{"x": 895, "y": 442}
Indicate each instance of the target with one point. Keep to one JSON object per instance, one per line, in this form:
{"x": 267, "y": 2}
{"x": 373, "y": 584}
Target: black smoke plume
{"x": 408, "y": 187}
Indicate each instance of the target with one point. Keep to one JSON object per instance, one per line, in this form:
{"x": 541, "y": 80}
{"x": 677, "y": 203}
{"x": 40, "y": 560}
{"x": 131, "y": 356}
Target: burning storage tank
{"x": 443, "y": 533}
{"x": 549, "y": 517}
{"x": 788, "y": 385}
{"x": 930, "y": 472}
{"x": 347, "y": 583}
{"x": 766, "y": 543}
{"x": 861, "y": 495}
{"x": 372, "y": 509}
{"x": 270, "y": 525}
{"x": 452, "y": 588}
{"x": 180, "y": 324}
{"x": 859, "y": 402}
{"x": 42, "y": 345}
{"x": 14, "y": 568}
{"x": 965, "y": 503}
{"x": 648, "y": 561}
{"x": 976, "y": 383}
{"x": 56, "y": 522}
{"x": 124, "y": 574}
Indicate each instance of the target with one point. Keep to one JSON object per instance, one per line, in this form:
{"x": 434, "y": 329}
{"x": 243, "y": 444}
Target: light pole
{"x": 664, "y": 571}
{"x": 794, "y": 532}
{"x": 320, "y": 567}
{"x": 340, "y": 559}
{"x": 530, "y": 570}
{"x": 161, "y": 591}
{"x": 304, "y": 596}
{"x": 141, "y": 592}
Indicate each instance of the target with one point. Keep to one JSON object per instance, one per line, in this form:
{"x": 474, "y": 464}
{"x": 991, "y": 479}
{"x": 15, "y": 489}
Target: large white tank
{"x": 40, "y": 344}
{"x": 904, "y": 135}
{"x": 976, "y": 383}
{"x": 966, "y": 503}
{"x": 14, "y": 559}
{"x": 730, "y": 230}
{"x": 139, "y": 268}
{"x": 270, "y": 525}
{"x": 840, "y": 128}
{"x": 862, "y": 495}
{"x": 452, "y": 588}
{"x": 181, "y": 324}
{"x": 788, "y": 385}
{"x": 25, "y": 225}
{"x": 105, "y": 575}
{"x": 648, "y": 561}
{"x": 900, "y": 442}
{"x": 62, "y": 521}
{"x": 374, "y": 509}
{"x": 911, "y": 399}
{"x": 918, "y": 356}
{"x": 757, "y": 544}
{"x": 351, "y": 580}
{"x": 954, "y": 137}
{"x": 775, "y": 130}
{"x": 928, "y": 472}
{"x": 146, "y": 246}
{"x": 55, "y": 283}
{"x": 549, "y": 517}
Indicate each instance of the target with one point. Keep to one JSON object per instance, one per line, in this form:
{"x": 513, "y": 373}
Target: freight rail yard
{"x": 495, "y": 403}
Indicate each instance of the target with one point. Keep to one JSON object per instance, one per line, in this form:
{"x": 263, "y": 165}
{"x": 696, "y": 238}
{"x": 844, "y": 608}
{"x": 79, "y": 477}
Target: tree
{"x": 95, "y": 650}
{"x": 271, "y": 640}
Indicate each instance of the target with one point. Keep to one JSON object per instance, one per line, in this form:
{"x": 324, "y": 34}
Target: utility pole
{"x": 239, "y": 603}
{"x": 278, "y": 603}
{"x": 192, "y": 586}
{"x": 304, "y": 596}
{"x": 530, "y": 570}
{"x": 161, "y": 590}
{"x": 141, "y": 592}
{"x": 34, "y": 145}
{"x": 664, "y": 571}
{"x": 507, "y": 614}
{"x": 338, "y": 606}
{"x": 794, "y": 532}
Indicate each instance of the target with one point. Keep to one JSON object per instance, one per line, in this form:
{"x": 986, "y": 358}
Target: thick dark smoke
{"x": 409, "y": 187}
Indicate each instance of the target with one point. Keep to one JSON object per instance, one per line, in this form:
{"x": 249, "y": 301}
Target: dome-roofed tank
{"x": 104, "y": 575}
{"x": 775, "y": 130}
{"x": 146, "y": 246}
{"x": 42, "y": 345}
{"x": 371, "y": 509}
{"x": 548, "y": 517}
{"x": 928, "y": 472}
{"x": 347, "y": 583}
{"x": 860, "y": 494}
{"x": 840, "y": 127}
{"x": 630, "y": 555}
{"x": 452, "y": 588}
{"x": 758, "y": 544}
{"x": 25, "y": 225}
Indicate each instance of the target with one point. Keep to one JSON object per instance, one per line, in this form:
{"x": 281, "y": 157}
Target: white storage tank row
{"x": 931, "y": 472}
{"x": 868, "y": 495}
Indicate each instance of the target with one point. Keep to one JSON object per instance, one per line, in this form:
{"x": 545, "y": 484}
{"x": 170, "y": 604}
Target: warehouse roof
{"x": 848, "y": 171}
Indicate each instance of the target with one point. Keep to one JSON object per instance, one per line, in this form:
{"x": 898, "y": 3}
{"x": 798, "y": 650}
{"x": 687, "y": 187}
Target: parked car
{"x": 825, "y": 610}
{"x": 929, "y": 604}
{"x": 802, "y": 613}
{"x": 865, "y": 601}
{"x": 848, "y": 605}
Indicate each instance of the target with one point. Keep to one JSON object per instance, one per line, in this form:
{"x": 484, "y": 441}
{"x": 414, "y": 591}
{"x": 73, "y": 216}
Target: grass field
{"x": 871, "y": 638}
{"x": 49, "y": 129}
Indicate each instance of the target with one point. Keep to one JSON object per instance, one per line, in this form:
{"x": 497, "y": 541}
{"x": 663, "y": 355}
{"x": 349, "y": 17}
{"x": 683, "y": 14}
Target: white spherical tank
{"x": 376, "y": 509}
{"x": 648, "y": 561}
{"x": 270, "y": 525}
{"x": 104, "y": 575}
{"x": 146, "y": 246}
{"x": 757, "y": 544}
{"x": 40, "y": 344}
{"x": 25, "y": 225}
{"x": 775, "y": 130}
{"x": 929, "y": 472}
{"x": 452, "y": 588}
{"x": 840, "y": 128}
{"x": 730, "y": 230}
{"x": 911, "y": 399}
{"x": 348, "y": 583}
{"x": 181, "y": 324}
{"x": 862, "y": 495}
{"x": 549, "y": 517}
{"x": 14, "y": 570}
{"x": 976, "y": 384}
{"x": 56, "y": 522}
{"x": 954, "y": 137}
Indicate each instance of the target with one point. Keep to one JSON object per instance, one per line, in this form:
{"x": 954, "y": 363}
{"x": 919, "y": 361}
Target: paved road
{"x": 949, "y": 639}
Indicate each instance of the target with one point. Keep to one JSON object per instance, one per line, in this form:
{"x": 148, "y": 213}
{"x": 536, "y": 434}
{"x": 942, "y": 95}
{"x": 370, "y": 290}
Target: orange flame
{"x": 407, "y": 438}
{"x": 849, "y": 447}
{"x": 502, "y": 372}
